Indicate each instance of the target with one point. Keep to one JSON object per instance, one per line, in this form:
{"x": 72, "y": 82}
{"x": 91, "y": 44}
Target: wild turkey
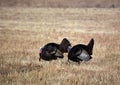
{"x": 81, "y": 52}
{"x": 52, "y": 51}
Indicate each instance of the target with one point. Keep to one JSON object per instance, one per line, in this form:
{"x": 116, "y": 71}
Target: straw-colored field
{"x": 24, "y": 30}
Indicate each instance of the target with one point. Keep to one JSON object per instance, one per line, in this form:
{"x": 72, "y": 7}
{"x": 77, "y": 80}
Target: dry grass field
{"x": 24, "y": 30}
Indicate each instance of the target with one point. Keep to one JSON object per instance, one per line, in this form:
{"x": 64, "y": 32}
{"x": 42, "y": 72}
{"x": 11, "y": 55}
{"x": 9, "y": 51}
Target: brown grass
{"x": 24, "y": 30}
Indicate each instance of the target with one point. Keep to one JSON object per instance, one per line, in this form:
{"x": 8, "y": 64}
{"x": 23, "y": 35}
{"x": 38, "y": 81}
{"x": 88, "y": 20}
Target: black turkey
{"x": 81, "y": 52}
{"x": 52, "y": 51}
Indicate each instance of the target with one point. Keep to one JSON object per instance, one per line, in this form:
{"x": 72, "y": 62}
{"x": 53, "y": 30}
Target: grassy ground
{"x": 24, "y": 30}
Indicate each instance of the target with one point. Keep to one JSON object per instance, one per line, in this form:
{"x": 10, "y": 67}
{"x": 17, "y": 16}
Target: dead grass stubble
{"x": 19, "y": 46}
